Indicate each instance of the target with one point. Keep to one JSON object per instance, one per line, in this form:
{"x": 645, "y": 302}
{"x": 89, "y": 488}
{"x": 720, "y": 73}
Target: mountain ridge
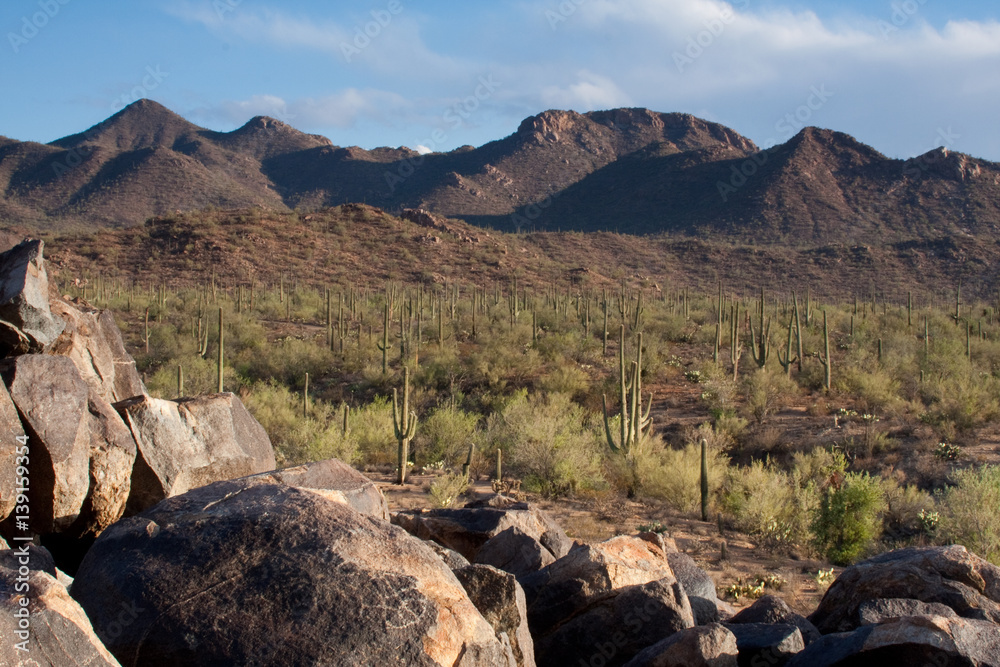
{"x": 631, "y": 170}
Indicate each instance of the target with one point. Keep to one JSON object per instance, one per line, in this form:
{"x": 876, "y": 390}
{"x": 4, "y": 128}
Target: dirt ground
{"x": 591, "y": 521}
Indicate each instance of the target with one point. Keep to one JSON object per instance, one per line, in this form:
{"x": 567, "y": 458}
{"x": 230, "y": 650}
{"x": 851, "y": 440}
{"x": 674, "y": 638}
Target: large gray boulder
{"x": 709, "y": 645}
{"x": 26, "y": 322}
{"x": 588, "y": 573}
{"x": 771, "y": 609}
{"x": 94, "y": 343}
{"x": 516, "y": 552}
{"x": 334, "y": 480}
{"x": 914, "y": 640}
{"x": 765, "y": 643}
{"x": 875, "y": 612}
{"x": 614, "y": 628}
{"x": 500, "y": 599}
{"x": 699, "y": 586}
{"x": 251, "y": 573}
{"x": 81, "y": 452}
{"x": 467, "y": 529}
{"x": 947, "y": 575}
{"x": 190, "y": 443}
{"x": 42, "y": 626}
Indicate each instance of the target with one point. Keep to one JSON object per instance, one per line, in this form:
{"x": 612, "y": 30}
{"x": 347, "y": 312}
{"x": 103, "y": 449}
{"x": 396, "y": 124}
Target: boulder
{"x": 915, "y": 640}
{"x": 94, "y": 343}
{"x": 709, "y": 645}
{"x": 516, "y": 552}
{"x": 467, "y": 529}
{"x": 588, "y": 573}
{"x": 250, "y": 573}
{"x": 614, "y": 628}
{"x": 874, "y": 612}
{"x": 500, "y": 600}
{"x": 58, "y": 633}
{"x": 698, "y": 585}
{"x": 30, "y": 555}
{"x": 772, "y": 609}
{"x": 81, "y": 452}
{"x": 451, "y": 558}
{"x": 334, "y": 480}
{"x": 948, "y": 575}
{"x": 26, "y": 322}
{"x": 190, "y": 443}
{"x": 10, "y": 431}
{"x": 766, "y": 644}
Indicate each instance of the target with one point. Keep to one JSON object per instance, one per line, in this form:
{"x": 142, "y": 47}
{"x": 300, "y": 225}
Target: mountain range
{"x": 627, "y": 170}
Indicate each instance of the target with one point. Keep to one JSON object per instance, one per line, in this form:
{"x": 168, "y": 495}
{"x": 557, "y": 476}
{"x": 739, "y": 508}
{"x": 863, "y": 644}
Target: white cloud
{"x": 591, "y": 91}
{"x": 344, "y": 109}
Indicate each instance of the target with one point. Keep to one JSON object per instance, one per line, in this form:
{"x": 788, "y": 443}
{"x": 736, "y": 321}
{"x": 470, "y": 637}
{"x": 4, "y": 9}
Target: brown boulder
{"x": 58, "y": 633}
{"x": 94, "y": 343}
{"x": 190, "y": 443}
{"x": 709, "y": 645}
{"x": 26, "y": 323}
{"x": 915, "y": 640}
{"x": 516, "y": 552}
{"x": 614, "y": 628}
{"x": 467, "y": 529}
{"x": 948, "y": 575}
{"x": 250, "y": 573}
{"x": 334, "y": 480}
{"x": 10, "y": 431}
{"x": 874, "y": 612}
{"x": 500, "y": 599}
{"x": 588, "y": 573}
{"x": 771, "y": 609}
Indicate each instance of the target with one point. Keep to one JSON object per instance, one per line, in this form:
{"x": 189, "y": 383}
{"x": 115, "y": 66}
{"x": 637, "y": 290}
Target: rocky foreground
{"x": 187, "y": 548}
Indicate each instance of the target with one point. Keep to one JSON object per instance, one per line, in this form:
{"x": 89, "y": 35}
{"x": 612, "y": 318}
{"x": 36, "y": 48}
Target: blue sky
{"x": 904, "y": 76}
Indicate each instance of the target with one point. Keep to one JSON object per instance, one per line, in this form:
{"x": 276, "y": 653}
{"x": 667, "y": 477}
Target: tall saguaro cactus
{"x": 704, "y": 479}
{"x": 222, "y": 337}
{"x": 404, "y": 425}
{"x": 634, "y": 425}
{"x": 824, "y": 358}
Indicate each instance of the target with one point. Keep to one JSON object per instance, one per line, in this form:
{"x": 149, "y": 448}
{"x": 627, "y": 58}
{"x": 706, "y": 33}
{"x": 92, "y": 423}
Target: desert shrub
{"x": 286, "y": 361}
{"x": 200, "y": 377}
{"x": 371, "y": 432}
{"x": 967, "y": 399}
{"x": 674, "y": 475}
{"x": 765, "y": 391}
{"x": 874, "y": 388}
{"x": 566, "y": 378}
{"x": 765, "y": 502}
{"x": 849, "y": 518}
{"x": 298, "y": 439}
{"x": 905, "y": 512}
{"x": 548, "y": 441}
{"x": 445, "y": 491}
{"x": 445, "y": 435}
{"x": 719, "y": 391}
{"x": 969, "y": 513}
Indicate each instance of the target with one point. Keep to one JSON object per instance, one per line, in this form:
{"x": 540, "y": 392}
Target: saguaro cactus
{"x": 761, "y": 344}
{"x": 824, "y": 358}
{"x": 404, "y": 425}
{"x": 704, "y": 479}
{"x": 634, "y": 424}
{"x": 222, "y": 337}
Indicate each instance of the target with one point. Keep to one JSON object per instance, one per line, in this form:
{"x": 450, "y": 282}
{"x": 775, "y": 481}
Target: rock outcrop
{"x": 466, "y": 530}
{"x": 26, "y": 322}
{"x": 948, "y": 575}
{"x": 709, "y": 645}
{"x": 190, "y": 443}
{"x": 334, "y": 480}
{"x": 500, "y": 599}
{"x": 82, "y": 454}
{"x": 281, "y": 574}
{"x": 42, "y": 626}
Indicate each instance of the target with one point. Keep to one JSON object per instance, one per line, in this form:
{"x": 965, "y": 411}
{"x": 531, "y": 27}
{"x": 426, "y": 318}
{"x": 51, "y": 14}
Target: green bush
{"x": 765, "y": 391}
{"x": 674, "y": 475}
{"x": 765, "y": 502}
{"x": 445, "y": 435}
{"x": 548, "y": 441}
{"x": 969, "y": 512}
{"x": 849, "y": 518}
